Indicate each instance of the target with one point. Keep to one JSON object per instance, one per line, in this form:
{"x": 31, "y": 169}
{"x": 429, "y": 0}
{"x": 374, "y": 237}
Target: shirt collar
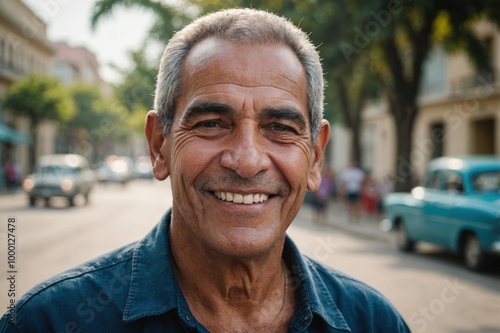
{"x": 154, "y": 289}
{"x": 313, "y": 300}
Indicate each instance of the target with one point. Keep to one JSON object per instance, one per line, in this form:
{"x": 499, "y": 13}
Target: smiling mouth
{"x": 246, "y": 199}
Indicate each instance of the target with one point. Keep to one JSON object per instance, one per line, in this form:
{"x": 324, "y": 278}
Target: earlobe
{"x": 314, "y": 179}
{"x": 156, "y": 141}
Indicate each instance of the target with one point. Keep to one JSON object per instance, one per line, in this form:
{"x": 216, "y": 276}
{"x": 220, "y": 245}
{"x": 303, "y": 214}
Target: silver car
{"x": 60, "y": 175}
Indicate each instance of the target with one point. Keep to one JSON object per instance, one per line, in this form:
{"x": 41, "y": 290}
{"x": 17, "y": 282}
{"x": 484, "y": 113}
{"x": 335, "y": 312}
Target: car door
{"x": 442, "y": 200}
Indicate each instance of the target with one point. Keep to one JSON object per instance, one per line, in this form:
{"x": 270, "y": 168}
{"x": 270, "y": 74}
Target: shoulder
{"x": 78, "y": 292}
{"x": 363, "y": 307}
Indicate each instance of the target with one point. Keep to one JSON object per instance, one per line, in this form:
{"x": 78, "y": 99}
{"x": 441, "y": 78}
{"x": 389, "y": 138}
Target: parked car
{"x": 60, "y": 175}
{"x": 116, "y": 169}
{"x": 457, "y": 207}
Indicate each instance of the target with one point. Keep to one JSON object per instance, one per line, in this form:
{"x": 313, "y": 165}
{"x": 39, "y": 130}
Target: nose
{"x": 246, "y": 154}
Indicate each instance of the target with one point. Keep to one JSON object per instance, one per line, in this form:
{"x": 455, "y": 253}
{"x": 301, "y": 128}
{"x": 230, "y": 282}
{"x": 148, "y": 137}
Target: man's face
{"x": 239, "y": 152}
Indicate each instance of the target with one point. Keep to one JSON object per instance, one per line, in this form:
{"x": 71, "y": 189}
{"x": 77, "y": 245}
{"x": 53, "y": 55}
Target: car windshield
{"x": 56, "y": 170}
{"x": 488, "y": 181}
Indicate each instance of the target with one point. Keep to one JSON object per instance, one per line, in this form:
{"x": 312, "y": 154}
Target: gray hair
{"x": 238, "y": 26}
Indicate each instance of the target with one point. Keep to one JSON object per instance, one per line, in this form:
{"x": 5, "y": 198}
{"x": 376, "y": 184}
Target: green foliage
{"x": 40, "y": 97}
{"x": 369, "y": 47}
{"x": 170, "y": 17}
{"x": 138, "y": 86}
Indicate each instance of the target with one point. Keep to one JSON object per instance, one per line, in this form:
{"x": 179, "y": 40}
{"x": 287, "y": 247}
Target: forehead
{"x": 214, "y": 65}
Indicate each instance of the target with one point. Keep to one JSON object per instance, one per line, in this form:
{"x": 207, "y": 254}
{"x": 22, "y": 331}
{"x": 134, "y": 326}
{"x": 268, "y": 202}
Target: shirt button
{"x": 306, "y": 318}
{"x": 187, "y": 318}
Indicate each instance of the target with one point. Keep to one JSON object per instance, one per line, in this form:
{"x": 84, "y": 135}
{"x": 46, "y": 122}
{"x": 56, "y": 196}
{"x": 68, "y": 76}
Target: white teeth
{"x": 246, "y": 199}
{"x": 238, "y": 198}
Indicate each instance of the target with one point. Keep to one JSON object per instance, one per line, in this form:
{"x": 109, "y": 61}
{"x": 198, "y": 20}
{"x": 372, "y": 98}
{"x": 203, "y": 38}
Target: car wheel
{"x": 404, "y": 243}
{"x": 46, "y": 201}
{"x": 474, "y": 257}
{"x": 71, "y": 201}
{"x": 32, "y": 201}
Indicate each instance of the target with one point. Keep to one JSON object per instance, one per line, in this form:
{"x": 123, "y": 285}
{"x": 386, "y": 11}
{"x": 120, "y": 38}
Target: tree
{"x": 39, "y": 98}
{"x": 170, "y": 16}
{"x": 100, "y": 123}
{"x": 138, "y": 85}
{"x": 398, "y": 38}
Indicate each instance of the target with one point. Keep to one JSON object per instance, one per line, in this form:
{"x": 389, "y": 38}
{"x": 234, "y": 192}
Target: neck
{"x": 227, "y": 294}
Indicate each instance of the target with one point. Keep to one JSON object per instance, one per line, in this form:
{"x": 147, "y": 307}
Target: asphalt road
{"x": 430, "y": 288}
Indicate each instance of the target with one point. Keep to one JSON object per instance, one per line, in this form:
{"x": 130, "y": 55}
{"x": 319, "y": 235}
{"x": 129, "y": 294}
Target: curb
{"x": 365, "y": 229}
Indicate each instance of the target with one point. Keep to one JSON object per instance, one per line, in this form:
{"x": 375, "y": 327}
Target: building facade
{"x": 459, "y": 113}
{"x": 24, "y": 49}
{"x": 76, "y": 64}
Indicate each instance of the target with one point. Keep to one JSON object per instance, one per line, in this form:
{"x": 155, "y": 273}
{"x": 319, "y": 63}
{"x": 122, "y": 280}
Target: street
{"x": 430, "y": 288}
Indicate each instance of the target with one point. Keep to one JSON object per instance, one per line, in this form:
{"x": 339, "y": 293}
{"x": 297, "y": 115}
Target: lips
{"x": 238, "y": 198}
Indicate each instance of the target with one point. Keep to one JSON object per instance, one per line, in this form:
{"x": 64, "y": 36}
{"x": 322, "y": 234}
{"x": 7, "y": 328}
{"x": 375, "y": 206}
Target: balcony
{"x": 485, "y": 83}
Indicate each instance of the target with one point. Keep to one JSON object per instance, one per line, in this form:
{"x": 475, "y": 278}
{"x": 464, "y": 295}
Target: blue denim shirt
{"x": 134, "y": 289}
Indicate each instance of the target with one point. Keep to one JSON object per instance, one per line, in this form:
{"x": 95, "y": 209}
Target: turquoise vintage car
{"x": 457, "y": 207}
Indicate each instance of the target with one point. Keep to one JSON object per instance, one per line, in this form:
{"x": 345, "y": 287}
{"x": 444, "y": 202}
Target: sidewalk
{"x": 367, "y": 227}
{"x": 8, "y": 200}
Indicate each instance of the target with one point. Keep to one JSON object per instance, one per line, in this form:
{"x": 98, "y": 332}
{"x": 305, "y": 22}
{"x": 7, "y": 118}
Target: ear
{"x": 156, "y": 142}
{"x": 318, "y": 156}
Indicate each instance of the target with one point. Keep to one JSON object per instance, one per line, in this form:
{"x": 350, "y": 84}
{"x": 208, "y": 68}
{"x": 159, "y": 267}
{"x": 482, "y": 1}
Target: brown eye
{"x": 277, "y": 127}
{"x": 210, "y": 124}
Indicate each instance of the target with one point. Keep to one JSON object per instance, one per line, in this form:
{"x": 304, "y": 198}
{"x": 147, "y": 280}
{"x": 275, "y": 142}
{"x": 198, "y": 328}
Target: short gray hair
{"x": 238, "y": 26}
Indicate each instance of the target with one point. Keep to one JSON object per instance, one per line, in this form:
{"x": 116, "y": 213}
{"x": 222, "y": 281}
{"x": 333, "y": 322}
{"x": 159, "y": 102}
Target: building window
{"x": 437, "y": 136}
{"x": 484, "y": 136}
{"x": 434, "y": 73}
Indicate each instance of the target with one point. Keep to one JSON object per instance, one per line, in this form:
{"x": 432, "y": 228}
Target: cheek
{"x": 190, "y": 156}
{"x": 295, "y": 163}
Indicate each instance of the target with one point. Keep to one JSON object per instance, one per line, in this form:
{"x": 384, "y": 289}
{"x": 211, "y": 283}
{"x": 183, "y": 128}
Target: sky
{"x": 69, "y": 21}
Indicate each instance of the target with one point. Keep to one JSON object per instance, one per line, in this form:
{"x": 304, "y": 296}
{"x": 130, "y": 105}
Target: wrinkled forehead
{"x": 250, "y": 64}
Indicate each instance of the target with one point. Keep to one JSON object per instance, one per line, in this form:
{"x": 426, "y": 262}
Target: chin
{"x": 248, "y": 242}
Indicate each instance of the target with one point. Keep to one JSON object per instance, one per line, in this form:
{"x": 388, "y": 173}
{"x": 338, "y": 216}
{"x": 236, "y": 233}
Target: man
{"x": 351, "y": 180}
{"x": 238, "y": 128}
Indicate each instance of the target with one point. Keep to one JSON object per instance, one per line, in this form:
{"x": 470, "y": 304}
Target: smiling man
{"x": 238, "y": 128}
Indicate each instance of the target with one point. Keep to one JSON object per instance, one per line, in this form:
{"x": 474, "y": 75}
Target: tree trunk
{"x": 404, "y": 174}
{"x": 356, "y": 142}
{"x": 352, "y": 118}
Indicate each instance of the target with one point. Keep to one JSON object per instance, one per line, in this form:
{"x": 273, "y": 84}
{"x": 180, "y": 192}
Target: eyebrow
{"x": 291, "y": 114}
{"x": 203, "y": 108}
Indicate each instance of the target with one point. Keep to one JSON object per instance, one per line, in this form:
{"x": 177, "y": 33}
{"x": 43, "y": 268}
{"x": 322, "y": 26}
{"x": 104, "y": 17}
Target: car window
{"x": 454, "y": 182}
{"x": 436, "y": 181}
{"x": 445, "y": 180}
{"x": 486, "y": 181}
{"x": 57, "y": 170}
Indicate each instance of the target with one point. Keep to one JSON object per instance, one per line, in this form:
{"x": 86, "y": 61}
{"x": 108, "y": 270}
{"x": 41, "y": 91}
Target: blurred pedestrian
{"x": 322, "y": 196}
{"x": 369, "y": 194}
{"x": 350, "y": 185}
{"x": 10, "y": 175}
